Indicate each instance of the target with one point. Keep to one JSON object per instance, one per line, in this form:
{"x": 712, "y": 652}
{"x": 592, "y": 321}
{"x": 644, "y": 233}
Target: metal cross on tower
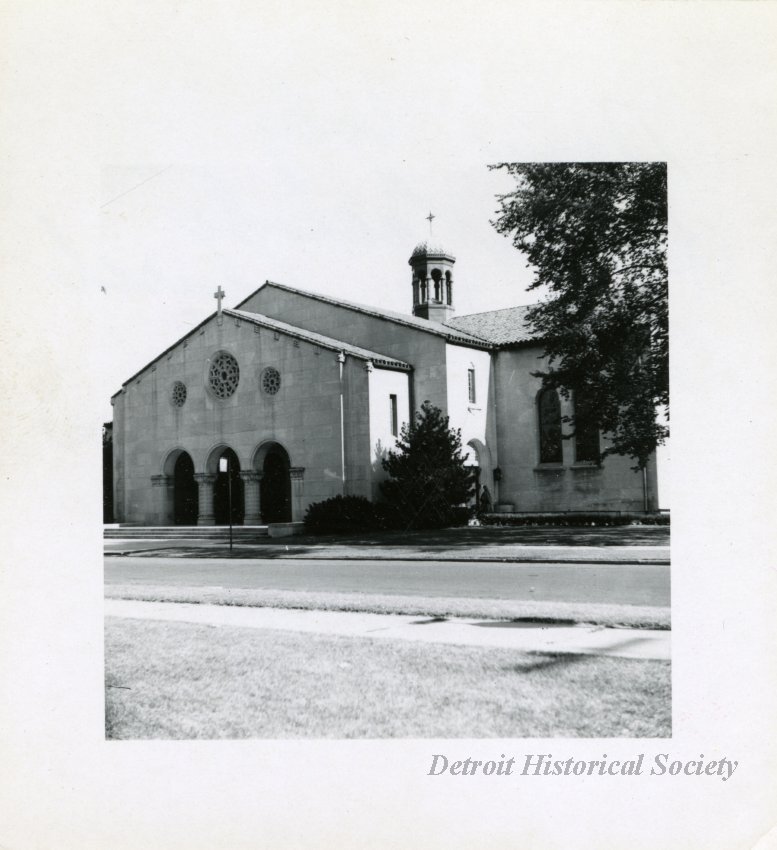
{"x": 218, "y": 295}
{"x": 430, "y": 218}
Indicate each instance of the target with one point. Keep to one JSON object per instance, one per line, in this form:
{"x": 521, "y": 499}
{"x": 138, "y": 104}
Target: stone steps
{"x": 240, "y": 533}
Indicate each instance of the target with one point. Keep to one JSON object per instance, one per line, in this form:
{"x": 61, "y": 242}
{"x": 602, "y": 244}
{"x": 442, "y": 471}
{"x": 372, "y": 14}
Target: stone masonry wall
{"x": 304, "y": 416}
{"x": 424, "y": 351}
{"x": 531, "y": 486}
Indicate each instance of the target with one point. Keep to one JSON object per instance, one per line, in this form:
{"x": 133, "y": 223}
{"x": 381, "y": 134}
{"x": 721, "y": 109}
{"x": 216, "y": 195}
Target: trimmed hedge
{"x": 343, "y": 513}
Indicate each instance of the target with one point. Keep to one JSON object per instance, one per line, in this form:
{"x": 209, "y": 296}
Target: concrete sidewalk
{"x": 522, "y": 636}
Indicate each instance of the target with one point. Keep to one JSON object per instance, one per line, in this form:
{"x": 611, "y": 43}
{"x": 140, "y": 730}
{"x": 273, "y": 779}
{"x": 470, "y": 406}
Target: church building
{"x": 293, "y": 397}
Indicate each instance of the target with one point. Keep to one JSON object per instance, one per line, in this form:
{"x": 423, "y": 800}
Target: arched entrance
{"x": 185, "y": 498}
{"x": 221, "y": 490}
{"x": 478, "y": 459}
{"x": 272, "y": 461}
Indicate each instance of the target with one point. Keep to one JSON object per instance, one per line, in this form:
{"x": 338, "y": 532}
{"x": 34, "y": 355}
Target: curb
{"x": 158, "y": 553}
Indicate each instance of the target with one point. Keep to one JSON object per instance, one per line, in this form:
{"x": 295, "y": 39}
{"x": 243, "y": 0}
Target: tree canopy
{"x": 428, "y": 480}
{"x": 596, "y": 237}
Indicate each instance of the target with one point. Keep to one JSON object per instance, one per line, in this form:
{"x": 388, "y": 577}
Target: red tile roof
{"x": 498, "y": 327}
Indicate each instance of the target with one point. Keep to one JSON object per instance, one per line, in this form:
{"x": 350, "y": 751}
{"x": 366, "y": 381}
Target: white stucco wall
{"x": 476, "y": 420}
{"x": 383, "y": 384}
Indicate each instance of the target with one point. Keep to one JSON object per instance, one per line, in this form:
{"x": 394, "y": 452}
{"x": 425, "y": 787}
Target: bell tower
{"x": 432, "y": 279}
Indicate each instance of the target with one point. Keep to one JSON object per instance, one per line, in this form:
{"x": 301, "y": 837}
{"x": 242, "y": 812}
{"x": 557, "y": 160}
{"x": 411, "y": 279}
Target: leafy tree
{"x": 596, "y": 235}
{"x": 428, "y": 481}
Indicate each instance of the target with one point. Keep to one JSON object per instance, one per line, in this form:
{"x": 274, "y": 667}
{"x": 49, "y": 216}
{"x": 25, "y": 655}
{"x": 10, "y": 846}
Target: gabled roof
{"x": 498, "y": 327}
{"x": 450, "y": 333}
{"x": 320, "y": 340}
{"x": 379, "y": 360}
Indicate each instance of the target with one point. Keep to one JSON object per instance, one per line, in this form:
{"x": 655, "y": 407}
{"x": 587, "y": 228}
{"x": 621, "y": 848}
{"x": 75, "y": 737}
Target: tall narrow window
{"x": 586, "y": 433}
{"x": 471, "y": 385}
{"x": 549, "y": 416}
{"x": 393, "y": 415}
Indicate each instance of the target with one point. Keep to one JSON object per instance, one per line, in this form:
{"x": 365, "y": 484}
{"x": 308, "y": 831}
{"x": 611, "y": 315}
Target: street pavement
{"x": 600, "y": 583}
{"x": 583, "y": 640}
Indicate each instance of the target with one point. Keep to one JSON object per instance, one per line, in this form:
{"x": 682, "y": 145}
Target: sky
{"x": 309, "y": 149}
{"x": 284, "y": 142}
{"x": 169, "y": 236}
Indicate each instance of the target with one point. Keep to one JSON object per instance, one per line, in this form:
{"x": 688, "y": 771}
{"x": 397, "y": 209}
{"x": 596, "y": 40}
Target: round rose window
{"x": 179, "y": 393}
{"x": 271, "y": 380}
{"x": 223, "y": 375}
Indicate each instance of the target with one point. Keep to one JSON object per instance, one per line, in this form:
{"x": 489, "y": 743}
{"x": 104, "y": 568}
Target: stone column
{"x": 163, "y": 498}
{"x": 205, "y": 481}
{"x": 252, "y": 495}
{"x": 297, "y": 475}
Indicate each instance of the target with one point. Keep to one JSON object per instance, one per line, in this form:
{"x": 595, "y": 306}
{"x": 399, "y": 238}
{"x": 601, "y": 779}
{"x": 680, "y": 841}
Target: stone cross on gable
{"x": 218, "y": 295}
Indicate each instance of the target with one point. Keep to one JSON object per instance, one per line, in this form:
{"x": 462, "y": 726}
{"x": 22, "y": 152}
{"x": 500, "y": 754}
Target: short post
{"x": 224, "y": 467}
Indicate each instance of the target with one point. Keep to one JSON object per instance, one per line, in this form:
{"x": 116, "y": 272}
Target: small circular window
{"x": 271, "y": 380}
{"x": 179, "y": 394}
{"x": 223, "y": 375}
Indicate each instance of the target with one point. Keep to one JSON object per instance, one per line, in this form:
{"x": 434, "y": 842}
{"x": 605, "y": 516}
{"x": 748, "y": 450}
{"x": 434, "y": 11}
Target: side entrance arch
{"x": 478, "y": 459}
{"x": 273, "y": 463}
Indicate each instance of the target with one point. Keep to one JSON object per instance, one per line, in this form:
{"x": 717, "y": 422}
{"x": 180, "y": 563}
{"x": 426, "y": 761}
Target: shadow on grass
{"x": 526, "y": 623}
{"x": 535, "y": 661}
{"x": 429, "y": 622}
{"x": 484, "y": 535}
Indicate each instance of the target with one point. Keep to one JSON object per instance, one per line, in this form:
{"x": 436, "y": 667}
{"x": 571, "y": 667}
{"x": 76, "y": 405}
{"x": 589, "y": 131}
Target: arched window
{"x": 437, "y": 277}
{"x": 586, "y": 433}
{"x": 449, "y": 288}
{"x": 549, "y": 417}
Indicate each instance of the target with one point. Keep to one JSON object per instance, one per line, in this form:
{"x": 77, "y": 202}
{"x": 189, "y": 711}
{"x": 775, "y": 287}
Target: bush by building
{"x": 341, "y": 514}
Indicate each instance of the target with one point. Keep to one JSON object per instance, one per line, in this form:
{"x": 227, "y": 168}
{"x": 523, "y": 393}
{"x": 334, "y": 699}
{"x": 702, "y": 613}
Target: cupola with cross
{"x": 432, "y": 278}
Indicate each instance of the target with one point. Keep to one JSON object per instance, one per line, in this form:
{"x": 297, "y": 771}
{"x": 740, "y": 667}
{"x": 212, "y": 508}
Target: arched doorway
{"x": 276, "y": 485}
{"x": 478, "y": 460}
{"x": 185, "y": 496}
{"x": 221, "y": 490}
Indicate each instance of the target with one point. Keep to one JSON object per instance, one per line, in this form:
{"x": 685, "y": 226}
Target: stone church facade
{"x": 293, "y": 397}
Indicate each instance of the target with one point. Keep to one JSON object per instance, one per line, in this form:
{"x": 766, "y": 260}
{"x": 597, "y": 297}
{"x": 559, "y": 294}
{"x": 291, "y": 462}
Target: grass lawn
{"x": 179, "y": 680}
{"x": 635, "y": 616}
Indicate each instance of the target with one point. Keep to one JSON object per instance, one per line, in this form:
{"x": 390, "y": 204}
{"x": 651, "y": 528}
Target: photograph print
{"x": 326, "y": 517}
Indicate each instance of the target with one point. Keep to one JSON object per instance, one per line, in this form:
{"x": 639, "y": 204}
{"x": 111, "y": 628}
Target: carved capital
{"x": 250, "y": 475}
{"x": 297, "y": 473}
{"x": 162, "y": 481}
{"x": 204, "y": 478}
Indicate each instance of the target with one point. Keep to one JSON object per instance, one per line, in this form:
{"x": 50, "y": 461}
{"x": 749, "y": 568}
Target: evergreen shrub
{"x": 343, "y": 513}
